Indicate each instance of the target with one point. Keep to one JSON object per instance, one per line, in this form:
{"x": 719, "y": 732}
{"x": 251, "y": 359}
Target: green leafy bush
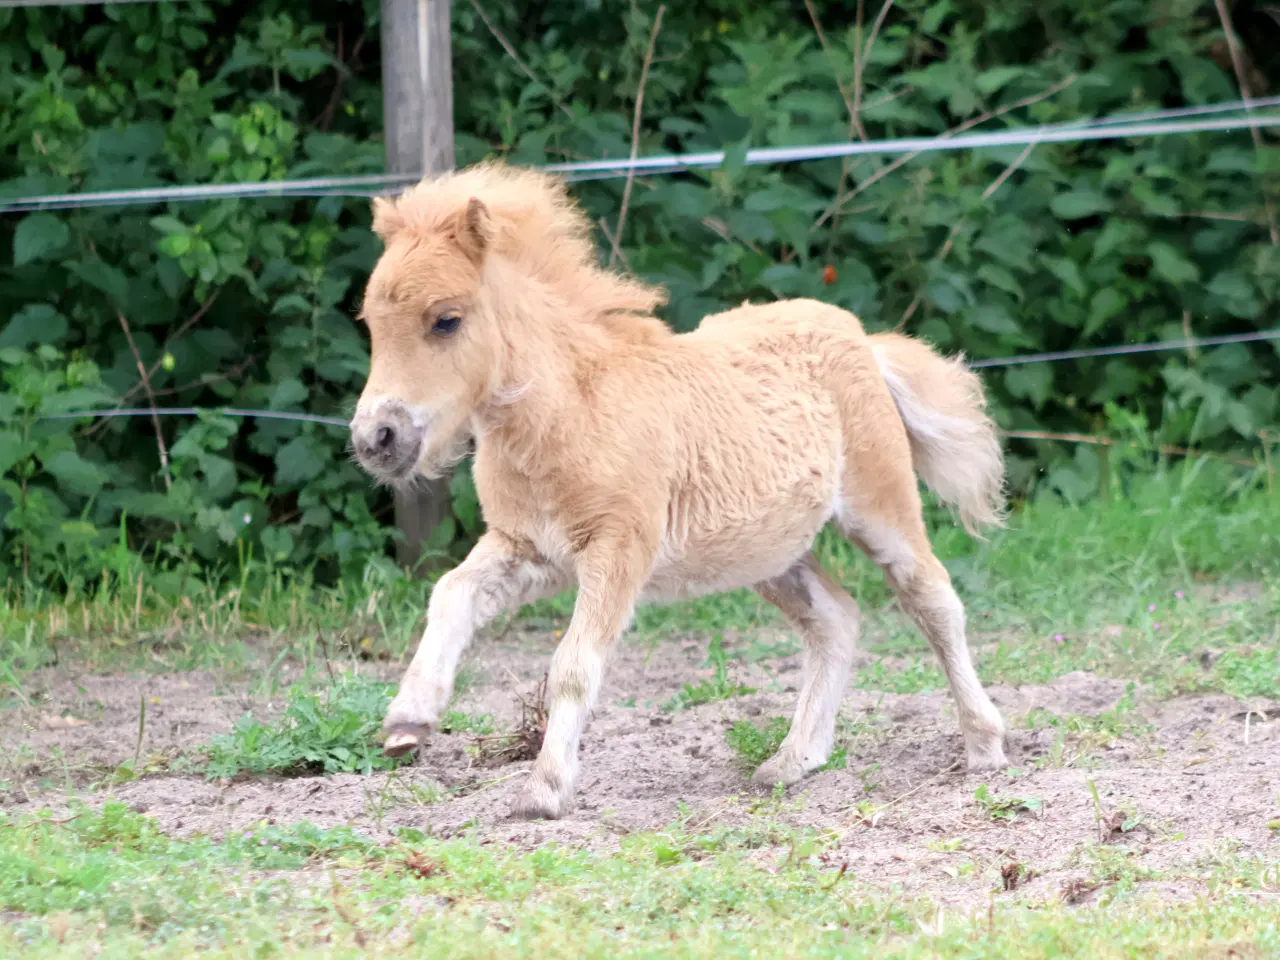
{"x": 250, "y": 302}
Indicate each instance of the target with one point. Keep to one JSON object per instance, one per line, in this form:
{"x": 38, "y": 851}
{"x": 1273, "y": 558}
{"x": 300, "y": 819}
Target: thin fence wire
{"x": 235, "y": 412}
{"x": 1124, "y": 126}
{"x": 75, "y": 3}
{"x": 1118, "y": 126}
{"x": 1083, "y": 353}
{"x": 1047, "y": 357}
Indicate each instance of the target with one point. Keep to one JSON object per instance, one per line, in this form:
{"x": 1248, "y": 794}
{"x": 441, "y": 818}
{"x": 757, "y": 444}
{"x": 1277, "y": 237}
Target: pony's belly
{"x": 734, "y": 559}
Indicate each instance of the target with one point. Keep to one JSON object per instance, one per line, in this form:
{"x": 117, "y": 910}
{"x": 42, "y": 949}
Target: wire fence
{"x": 1186, "y": 343}
{"x": 75, "y": 3}
{"x": 1117, "y": 127}
{"x": 1133, "y": 124}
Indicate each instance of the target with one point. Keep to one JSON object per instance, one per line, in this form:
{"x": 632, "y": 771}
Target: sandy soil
{"x": 906, "y": 818}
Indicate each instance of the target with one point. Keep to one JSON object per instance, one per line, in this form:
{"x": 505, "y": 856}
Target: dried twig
{"x": 1192, "y": 353}
{"x": 635, "y": 134}
{"x": 1237, "y": 64}
{"x": 151, "y": 372}
{"x": 187, "y": 324}
{"x": 151, "y": 397}
{"x": 885, "y": 808}
{"x": 613, "y": 242}
{"x": 860, "y": 66}
{"x": 845, "y": 92}
{"x": 852, "y": 97}
{"x": 954, "y": 232}
{"x": 525, "y": 741}
{"x": 344, "y": 71}
{"x": 511, "y": 52}
{"x": 1108, "y": 442}
{"x": 958, "y": 129}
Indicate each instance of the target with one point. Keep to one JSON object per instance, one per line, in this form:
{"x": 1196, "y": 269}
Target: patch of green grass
{"x": 915, "y": 676}
{"x": 718, "y": 687}
{"x": 111, "y": 885}
{"x": 456, "y": 721}
{"x": 1121, "y": 720}
{"x": 1121, "y": 866}
{"x": 332, "y": 731}
{"x": 1249, "y": 672}
{"x": 756, "y": 744}
{"x": 1063, "y": 588}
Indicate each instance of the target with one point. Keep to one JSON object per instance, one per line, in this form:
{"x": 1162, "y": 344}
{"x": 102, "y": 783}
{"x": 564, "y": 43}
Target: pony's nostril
{"x": 383, "y": 437}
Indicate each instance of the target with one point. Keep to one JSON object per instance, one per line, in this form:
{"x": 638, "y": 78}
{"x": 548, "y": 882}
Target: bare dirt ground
{"x": 1196, "y": 784}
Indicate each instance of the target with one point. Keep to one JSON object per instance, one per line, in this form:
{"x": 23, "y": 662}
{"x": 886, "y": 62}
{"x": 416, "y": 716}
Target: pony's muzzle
{"x": 387, "y": 440}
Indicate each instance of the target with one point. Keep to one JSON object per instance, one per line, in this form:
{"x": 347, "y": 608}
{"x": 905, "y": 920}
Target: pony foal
{"x": 648, "y": 466}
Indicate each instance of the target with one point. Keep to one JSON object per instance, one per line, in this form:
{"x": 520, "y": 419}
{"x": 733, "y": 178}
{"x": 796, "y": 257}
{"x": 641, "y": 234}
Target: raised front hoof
{"x": 537, "y": 801}
{"x": 404, "y": 739}
{"x": 781, "y": 768}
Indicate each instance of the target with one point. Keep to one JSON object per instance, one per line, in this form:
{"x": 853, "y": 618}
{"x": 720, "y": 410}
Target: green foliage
{"x": 999, "y": 807}
{"x": 718, "y": 687}
{"x": 250, "y": 302}
{"x": 456, "y": 721}
{"x": 333, "y": 732}
{"x": 766, "y": 889}
{"x": 756, "y": 744}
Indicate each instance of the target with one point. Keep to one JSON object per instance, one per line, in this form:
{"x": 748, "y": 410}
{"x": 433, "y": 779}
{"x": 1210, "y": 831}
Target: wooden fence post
{"x": 417, "y": 101}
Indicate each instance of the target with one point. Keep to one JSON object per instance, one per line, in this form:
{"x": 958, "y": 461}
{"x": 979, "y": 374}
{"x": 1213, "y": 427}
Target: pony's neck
{"x": 551, "y": 350}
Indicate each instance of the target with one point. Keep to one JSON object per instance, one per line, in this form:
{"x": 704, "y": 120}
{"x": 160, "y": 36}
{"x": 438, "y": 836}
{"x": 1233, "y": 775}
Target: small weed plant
{"x": 719, "y": 687}
{"x": 756, "y": 744}
{"x": 1005, "y": 808}
{"x": 333, "y": 731}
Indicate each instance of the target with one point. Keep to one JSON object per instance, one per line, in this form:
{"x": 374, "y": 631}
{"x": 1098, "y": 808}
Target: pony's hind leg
{"x": 890, "y": 529}
{"x": 828, "y": 619}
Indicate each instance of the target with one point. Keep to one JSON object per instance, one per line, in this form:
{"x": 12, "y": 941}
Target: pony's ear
{"x": 474, "y": 230}
{"x": 387, "y": 219}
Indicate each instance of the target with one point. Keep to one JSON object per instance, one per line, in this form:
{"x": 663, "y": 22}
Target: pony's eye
{"x": 446, "y": 325}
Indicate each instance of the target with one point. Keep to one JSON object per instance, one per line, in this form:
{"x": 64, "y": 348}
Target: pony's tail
{"x": 954, "y": 445}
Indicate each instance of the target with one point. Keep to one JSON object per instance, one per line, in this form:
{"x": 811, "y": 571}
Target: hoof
{"x": 781, "y": 768}
{"x": 404, "y": 739}
{"x": 537, "y": 801}
{"x": 986, "y": 760}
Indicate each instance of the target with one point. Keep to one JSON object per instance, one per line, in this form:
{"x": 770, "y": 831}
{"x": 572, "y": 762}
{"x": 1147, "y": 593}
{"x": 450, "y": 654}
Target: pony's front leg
{"x": 498, "y": 574}
{"x": 610, "y": 576}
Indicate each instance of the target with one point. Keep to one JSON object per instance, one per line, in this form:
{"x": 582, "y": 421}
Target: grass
{"x": 332, "y": 731}
{"x": 112, "y": 884}
{"x": 1123, "y": 588}
{"x": 754, "y": 744}
{"x": 1170, "y": 586}
{"x": 1008, "y": 809}
{"x": 718, "y": 687}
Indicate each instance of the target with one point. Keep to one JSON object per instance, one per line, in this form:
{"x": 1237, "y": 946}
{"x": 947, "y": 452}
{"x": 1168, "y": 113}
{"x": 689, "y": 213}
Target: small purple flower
{"x": 1058, "y": 638}
{"x": 1178, "y": 594}
{"x": 262, "y": 843}
{"x": 248, "y": 836}
{"x": 1151, "y": 608}
{"x": 1155, "y": 626}
{"x": 275, "y": 846}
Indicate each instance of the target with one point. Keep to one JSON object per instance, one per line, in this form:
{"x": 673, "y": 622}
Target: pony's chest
{"x": 522, "y": 508}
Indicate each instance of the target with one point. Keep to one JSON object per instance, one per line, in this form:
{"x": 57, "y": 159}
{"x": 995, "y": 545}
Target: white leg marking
{"x": 490, "y": 580}
{"x": 829, "y": 621}
{"x": 609, "y": 581}
{"x": 932, "y": 602}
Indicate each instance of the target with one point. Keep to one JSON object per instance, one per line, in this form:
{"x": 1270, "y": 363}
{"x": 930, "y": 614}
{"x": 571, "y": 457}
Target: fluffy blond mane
{"x": 539, "y": 227}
